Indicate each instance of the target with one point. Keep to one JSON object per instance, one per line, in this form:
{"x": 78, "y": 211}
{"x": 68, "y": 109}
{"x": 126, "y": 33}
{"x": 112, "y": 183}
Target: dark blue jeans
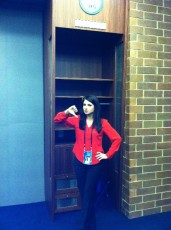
{"x": 87, "y": 180}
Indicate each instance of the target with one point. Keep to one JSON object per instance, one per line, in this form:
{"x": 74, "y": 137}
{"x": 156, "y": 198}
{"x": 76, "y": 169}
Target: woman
{"x": 89, "y": 153}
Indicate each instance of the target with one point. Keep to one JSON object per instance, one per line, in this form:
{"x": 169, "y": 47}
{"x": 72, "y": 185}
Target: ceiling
{"x": 23, "y": 2}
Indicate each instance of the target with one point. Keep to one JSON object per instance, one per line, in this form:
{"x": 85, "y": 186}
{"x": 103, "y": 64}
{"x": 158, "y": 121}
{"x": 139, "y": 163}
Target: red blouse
{"x": 78, "y": 149}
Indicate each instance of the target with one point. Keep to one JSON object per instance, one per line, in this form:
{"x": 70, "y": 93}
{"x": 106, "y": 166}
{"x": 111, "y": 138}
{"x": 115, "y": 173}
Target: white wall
{"x": 21, "y": 107}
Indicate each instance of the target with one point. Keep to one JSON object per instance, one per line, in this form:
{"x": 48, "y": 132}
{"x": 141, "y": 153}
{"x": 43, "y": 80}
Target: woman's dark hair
{"x": 96, "y": 115}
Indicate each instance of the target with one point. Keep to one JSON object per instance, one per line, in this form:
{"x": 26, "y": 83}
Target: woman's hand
{"x": 101, "y": 156}
{"x": 72, "y": 110}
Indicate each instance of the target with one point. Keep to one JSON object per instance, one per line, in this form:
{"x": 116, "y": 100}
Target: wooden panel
{"x": 64, "y": 160}
{"x": 65, "y": 12}
{"x": 68, "y": 202}
{"x": 87, "y": 54}
{"x": 78, "y": 61}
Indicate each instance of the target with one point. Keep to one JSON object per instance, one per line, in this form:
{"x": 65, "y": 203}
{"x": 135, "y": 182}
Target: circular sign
{"x": 91, "y": 6}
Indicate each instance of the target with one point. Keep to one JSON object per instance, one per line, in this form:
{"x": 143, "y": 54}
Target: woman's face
{"x": 88, "y": 107}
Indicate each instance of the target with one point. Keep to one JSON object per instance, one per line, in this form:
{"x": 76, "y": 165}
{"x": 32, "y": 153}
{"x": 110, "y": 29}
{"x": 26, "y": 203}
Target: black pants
{"x": 87, "y": 180}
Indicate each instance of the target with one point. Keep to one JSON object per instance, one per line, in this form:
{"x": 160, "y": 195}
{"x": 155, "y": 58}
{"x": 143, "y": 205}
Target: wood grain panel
{"x": 65, "y": 12}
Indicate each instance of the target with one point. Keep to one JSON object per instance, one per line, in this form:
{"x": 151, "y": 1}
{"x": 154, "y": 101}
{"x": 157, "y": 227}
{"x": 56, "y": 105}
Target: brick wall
{"x": 147, "y": 147}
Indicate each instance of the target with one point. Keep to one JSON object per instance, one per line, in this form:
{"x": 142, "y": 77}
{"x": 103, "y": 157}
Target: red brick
{"x": 145, "y": 191}
{"x": 146, "y": 86}
{"x": 146, "y": 101}
{"x": 151, "y": 109}
{"x": 134, "y": 124}
{"x": 135, "y": 155}
{"x": 163, "y": 202}
{"x": 167, "y": 79}
{"x": 155, "y": 32}
{"x": 152, "y": 139}
{"x": 164, "y": 25}
{"x": 167, "y": 167}
{"x": 147, "y": 166}
{"x": 154, "y": 2}
{"x": 146, "y": 70}
{"x": 166, "y": 195}
{"x": 146, "y": 116}
{"x": 164, "y": 160}
{"x": 167, "y": 94}
{"x": 152, "y": 124}
{"x": 164, "y": 55}
{"x": 147, "y": 23}
{"x": 148, "y": 8}
{"x": 163, "y": 116}
{"x": 151, "y": 197}
{"x": 165, "y": 101}
{"x": 167, "y": 18}
{"x": 151, "y": 211}
{"x": 164, "y": 145}
{"x": 146, "y": 176}
{"x": 167, "y": 33}
{"x": 167, "y": 3}
{"x": 163, "y": 10}
{"x": 151, "y": 168}
{"x": 135, "y": 185}
{"x": 135, "y": 200}
{"x": 164, "y": 71}
{"x": 167, "y": 181}
{"x": 145, "y": 205}
{"x": 166, "y": 124}
{"x": 152, "y": 16}
{"x": 166, "y": 152}
{"x": 135, "y": 214}
{"x": 164, "y": 174}
{"x": 146, "y": 131}
{"x": 153, "y": 153}
{"x": 146, "y": 146}
{"x": 166, "y": 208}
{"x": 167, "y": 108}
{"x": 153, "y": 78}
{"x": 146, "y": 161}
{"x": 161, "y": 131}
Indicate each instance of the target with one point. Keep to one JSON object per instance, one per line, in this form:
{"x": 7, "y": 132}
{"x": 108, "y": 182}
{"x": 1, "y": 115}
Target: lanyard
{"x": 90, "y": 139}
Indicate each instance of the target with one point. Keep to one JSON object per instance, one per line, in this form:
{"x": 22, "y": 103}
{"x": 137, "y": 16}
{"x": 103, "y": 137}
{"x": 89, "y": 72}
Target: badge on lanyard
{"x": 87, "y": 154}
{"x": 87, "y": 157}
